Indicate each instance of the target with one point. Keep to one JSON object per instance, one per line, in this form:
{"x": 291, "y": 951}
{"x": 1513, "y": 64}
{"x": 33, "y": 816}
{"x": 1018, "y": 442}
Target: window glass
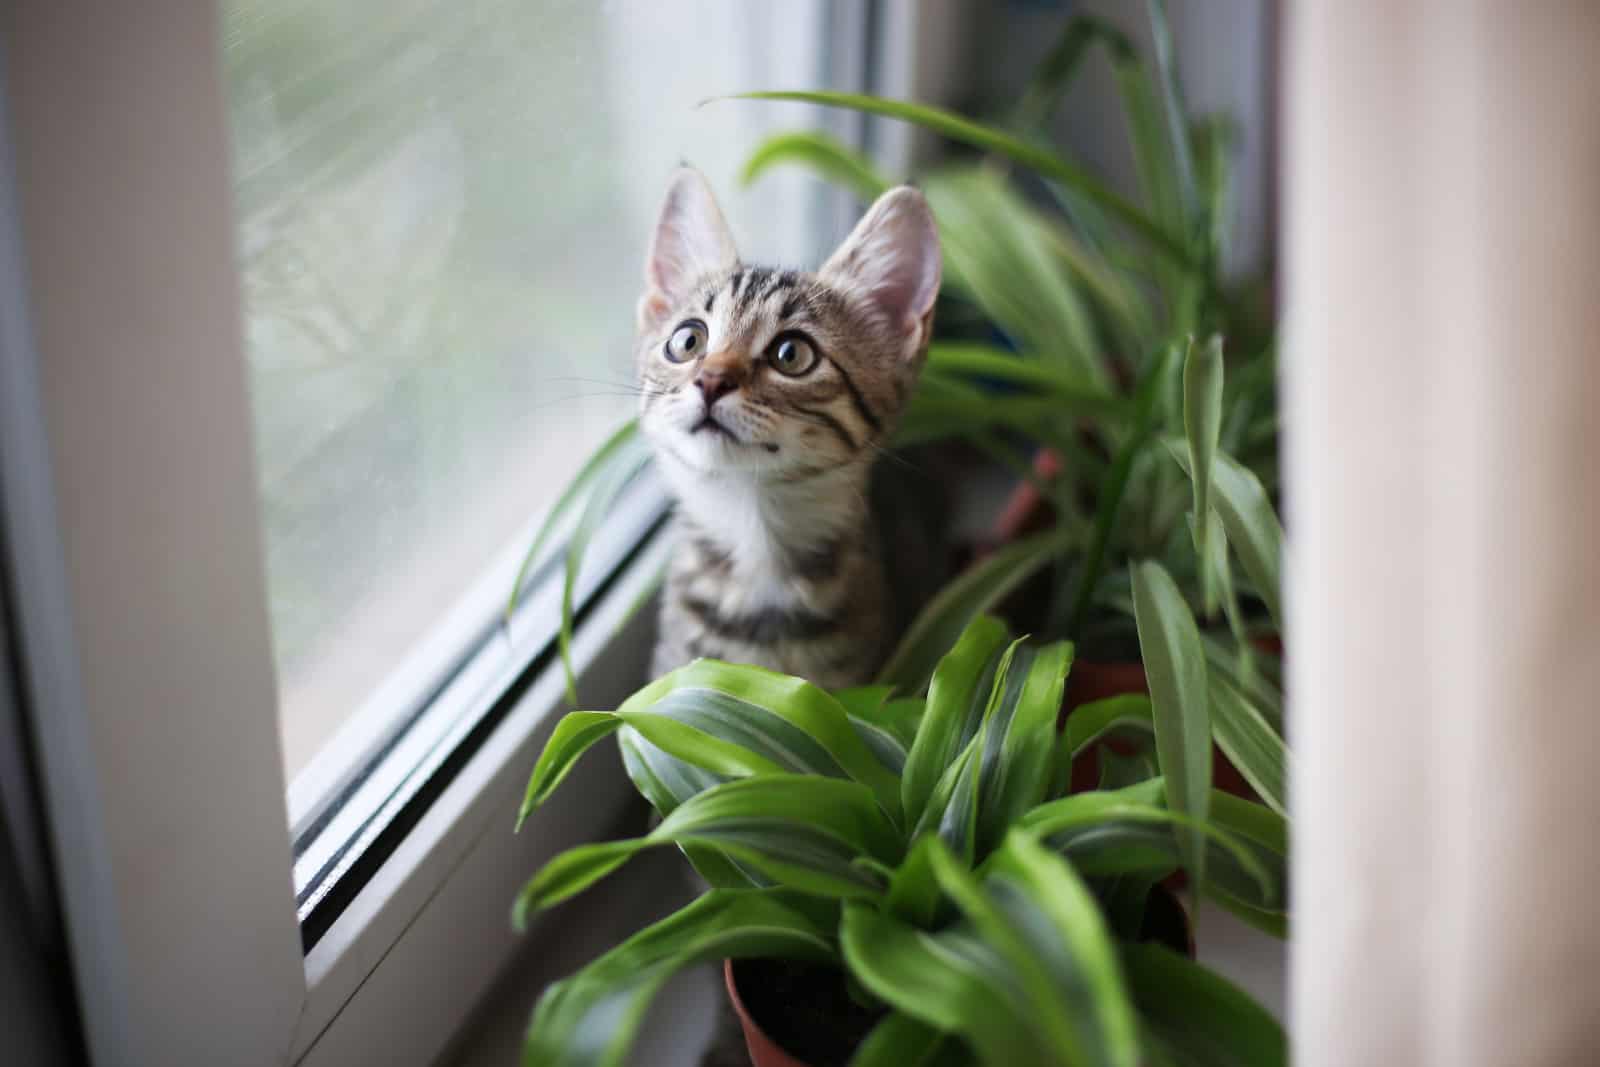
{"x": 442, "y": 214}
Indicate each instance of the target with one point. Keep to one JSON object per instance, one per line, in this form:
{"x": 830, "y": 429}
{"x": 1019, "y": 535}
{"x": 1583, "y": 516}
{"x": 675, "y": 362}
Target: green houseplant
{"x": 926, "y": 849}
{"x": 1070, "y": 334}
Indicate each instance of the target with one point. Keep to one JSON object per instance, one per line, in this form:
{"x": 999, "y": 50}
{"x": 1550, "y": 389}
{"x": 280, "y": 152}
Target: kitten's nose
{"x": 714, "y": 384}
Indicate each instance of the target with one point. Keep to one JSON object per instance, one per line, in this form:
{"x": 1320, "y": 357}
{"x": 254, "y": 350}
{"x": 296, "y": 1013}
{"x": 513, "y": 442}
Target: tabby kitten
{"x": 767, "y": 395}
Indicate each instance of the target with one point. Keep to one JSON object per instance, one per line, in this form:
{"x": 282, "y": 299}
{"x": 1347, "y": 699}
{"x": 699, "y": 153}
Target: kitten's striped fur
{"x": 777, "y": 561}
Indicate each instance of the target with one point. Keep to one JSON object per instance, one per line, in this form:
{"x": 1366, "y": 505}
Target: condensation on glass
{"x": 442, "y": 212}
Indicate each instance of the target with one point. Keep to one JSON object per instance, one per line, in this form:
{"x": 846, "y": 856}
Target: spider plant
{"x": 927, "y": 848}
{"x": 1070, "y": 325}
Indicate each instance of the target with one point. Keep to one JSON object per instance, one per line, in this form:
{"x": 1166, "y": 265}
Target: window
{"x": 442, "y": 210}
{"x": 308, "y": 289}
{"x": 442, "y": 213}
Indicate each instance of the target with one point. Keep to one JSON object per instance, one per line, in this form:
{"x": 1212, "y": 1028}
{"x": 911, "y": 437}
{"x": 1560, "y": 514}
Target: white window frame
{"x": 135, "y": 564}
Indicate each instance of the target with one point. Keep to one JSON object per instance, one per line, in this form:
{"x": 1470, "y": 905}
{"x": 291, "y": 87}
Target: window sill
{"x": 415, "y": 949}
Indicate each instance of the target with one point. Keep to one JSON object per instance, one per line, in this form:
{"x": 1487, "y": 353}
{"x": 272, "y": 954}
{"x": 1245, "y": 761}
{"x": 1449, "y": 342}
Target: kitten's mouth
{"x": 711, "y": 425}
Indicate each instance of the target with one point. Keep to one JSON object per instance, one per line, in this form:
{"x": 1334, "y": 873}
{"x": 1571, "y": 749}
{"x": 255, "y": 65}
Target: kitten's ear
{"x": 892, "y": 258}
{"x": 690, "y": 242}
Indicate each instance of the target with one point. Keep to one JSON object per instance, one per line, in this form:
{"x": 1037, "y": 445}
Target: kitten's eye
{"x": 687, "y": 342}
{"x": 793, "y": 356}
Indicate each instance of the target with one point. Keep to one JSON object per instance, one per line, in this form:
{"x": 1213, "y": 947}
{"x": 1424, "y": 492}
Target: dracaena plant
{"x": 928, "y": 848}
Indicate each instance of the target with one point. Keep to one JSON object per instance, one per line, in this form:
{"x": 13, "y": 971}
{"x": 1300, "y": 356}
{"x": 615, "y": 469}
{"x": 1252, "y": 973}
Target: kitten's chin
{"x": 724, "y": 458}
{"x": 711, "y": 451}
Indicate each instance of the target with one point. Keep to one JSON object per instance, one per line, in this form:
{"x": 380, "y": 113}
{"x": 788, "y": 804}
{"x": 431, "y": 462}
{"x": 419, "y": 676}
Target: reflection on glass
{"x": 442, "y": 212}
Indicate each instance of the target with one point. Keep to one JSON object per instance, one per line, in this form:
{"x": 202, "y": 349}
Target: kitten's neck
{"x": 770, "y": 528}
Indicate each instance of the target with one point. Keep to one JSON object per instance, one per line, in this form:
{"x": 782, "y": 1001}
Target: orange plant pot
{"x": 764, "y": 1052}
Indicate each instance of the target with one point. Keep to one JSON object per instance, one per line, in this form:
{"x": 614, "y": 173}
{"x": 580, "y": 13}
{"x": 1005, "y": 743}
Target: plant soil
{"x": 804, "y": 1008}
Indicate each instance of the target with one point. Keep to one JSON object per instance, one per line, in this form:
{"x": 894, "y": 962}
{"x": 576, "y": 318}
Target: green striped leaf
{"x": 1114, "y": 486}
{"x": 883, "y": 742}
{"x": 1202, "y": 423}
{"x": 1266, "y": 833}
{"x": 991, "y": 139}
{"x": 614, "y": 476}
{"x": 952, "y": 810}
{"x": 938, "y": 412}
{"x": 797, "y": 830}
{"x": 1172, "y": 107}
{"x": 1199, "y": 1017}
{"x": 1247, "y": 515}
{"x": 958, "y": 696}
{"x": 903, "y": 718}
{"x": 574, "y": 735}
{"x": 970, "y": 360}
{"x": 1026, "y": 976}
{"x": 663, "y": 779}
{"x": 1097, "y": 719}
{"x": 976, "y": 590}
{"x": 1047, "y": 903}
{"x": 952, "y": 981}
{"x": 735, "y": 719}
{"x": 827, "y": 156}
{"x": 1018, "y": 739}
{"x": 1128, "y": 832}
{"x": 1091, "y": 723}
{"x": 667, "y": 782}
{"x": 864, "y": 701}
{"x": 1250, "y": 743}
{"x": 1246, "y": 670}
{"x": 613, "y": 449}
{"x": 901, "y": 1041}
{"x": 592, "y": 1018}
{"x": 913, "y": 890}
{"x": 1060, "y": 67}
{"x": 999, "y": 255}
{"x": 1174, "y": 664}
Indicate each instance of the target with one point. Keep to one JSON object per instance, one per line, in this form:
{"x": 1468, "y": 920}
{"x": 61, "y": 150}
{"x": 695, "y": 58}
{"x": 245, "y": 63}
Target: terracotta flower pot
{"x": 795, "y": 1014}
{"x": 1166, "y": 922}
{"x": 764, "y": 1052}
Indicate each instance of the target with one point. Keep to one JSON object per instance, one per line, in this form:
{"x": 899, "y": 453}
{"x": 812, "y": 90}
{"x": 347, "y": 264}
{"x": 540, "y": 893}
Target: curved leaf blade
{"x": 1247, "y": 516}
{"x": 618, "y": 472}
{"x": 1174, "y": 663}
{"x": 1019, "y": 738}
{"x": 798, "y": 830}
{"x": 592, "y": 1018}
{"x": 756, "y": 721}
{"x": 958, "y": 696}
{"x": 826, "y": 155}
{"x": 1000, "y": 254}
{"x": 970, "y": 360}
{"x": 1200, "y": 1016}
{"x": 976, "y": 590}
{"x": 1130, "y": 838}
{"x": 597, "y": 463}
{"x": 1202, "y": 423}
{"x": 951, "y": 981}
{"x": 1046, "y": 901}
{"x": 901, "y": 1041}
{"x": 1060, "y": 66}
{"x": 574, "y": 735}
{"x": 1093, "y": 721}
{"x": 1251, "y": 744}
{"x": 958, "y": 128}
